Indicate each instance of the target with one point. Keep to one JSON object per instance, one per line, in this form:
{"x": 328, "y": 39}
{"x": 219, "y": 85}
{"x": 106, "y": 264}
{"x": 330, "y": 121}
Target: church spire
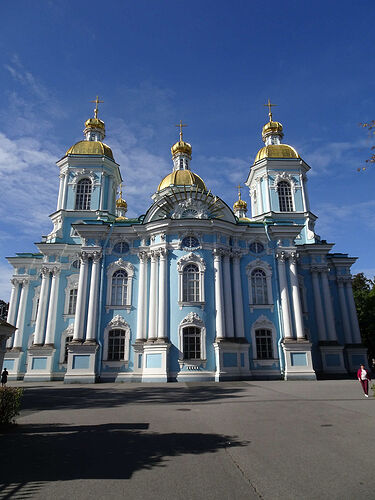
{"x": 181, "y": 152}
{"x": 240, "y": 206}
{"x": 94, "y": 127}
{"x": 272, "y": 132}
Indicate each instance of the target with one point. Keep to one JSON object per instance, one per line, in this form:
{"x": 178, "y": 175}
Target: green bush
{"x": 10, "y": 403}
{"x": 373, "y": 389}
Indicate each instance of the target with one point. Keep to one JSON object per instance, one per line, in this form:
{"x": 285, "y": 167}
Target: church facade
{"x": 192, "y": 290}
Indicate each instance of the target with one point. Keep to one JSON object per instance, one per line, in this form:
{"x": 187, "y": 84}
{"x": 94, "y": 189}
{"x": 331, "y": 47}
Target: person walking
{"x": 364, "y": 377}
{"x": 4, "y": 377}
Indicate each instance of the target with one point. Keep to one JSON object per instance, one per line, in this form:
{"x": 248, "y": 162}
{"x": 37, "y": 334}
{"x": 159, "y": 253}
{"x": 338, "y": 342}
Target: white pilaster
{"x": 238, "y": 300}
{"x": 152, "y": 324}
{"x": 18, "y": 334}
{"x": 40, "y": 323}
{"x": 328, "y": 307}
{"x": 61, "y": 191}
{"x": 353, "y": 313}
{"x": 110, "y": 194}
{"x": 11, "y": 318}
{"x": 141, "y": 312}
{"x": 298, "y": 317}
{"x": 162, "y": 293}
{"x": 218, "y": 294}
{"x": 284, "y": 295}
{"x": 93, "y": 298}
{"x": 322, "y": 333}
{"x": 268, "y": 192}
{"x": 102, "y": 191}
{"x": 228, "y": 300}
{"x": 65, "y": 191}
{"x": 344, "y": 312}
{"x": 79, "y": 320}
{"x": 52, "y": 306}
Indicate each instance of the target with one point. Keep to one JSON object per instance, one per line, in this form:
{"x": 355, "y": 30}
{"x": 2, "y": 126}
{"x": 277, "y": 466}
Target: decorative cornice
{"x": 191, "y": 257}
{"x": 121, "y": 264}
{"x": 118, "y": 322}
{"x": 192, "y": 319}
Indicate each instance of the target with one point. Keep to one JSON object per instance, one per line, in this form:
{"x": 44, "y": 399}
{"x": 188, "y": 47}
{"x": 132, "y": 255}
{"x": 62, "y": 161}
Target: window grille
{"x": 285, "y": 197}
{"x": 259, "y": 287}
{"x": 263, "y": 339}
{"x": 119, "y": 288}
{"x": 83, "y": 196}
{"x": 190, "y": 282}
{"x": 72, "y": 301}
{"x": 192, "y": 342}
{"x": 116, "y": 345}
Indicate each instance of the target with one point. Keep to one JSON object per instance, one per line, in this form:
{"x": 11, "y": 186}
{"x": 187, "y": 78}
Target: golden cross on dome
{"x": 96, "y": 107}
{"x": 269, "y": 105}
{"x": 239, "y": 187}
{"x": 121, "y": 190}
{"x": 181, "y": 125}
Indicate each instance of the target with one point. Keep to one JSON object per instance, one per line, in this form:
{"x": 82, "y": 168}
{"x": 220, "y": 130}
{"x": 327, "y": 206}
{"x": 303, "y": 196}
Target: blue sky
{"x": 212, "y": 64}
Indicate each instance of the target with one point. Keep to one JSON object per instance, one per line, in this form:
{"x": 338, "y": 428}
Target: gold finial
{"x": 121, "y": 190}
{"x": 96, "y": 107}
{"x": 239, "y": 187}
{"x": 181, "y": 125}
{"x": 269, "y": 105}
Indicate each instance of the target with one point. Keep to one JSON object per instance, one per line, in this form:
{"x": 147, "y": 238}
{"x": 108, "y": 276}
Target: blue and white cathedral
{"x": 190, "y": 291}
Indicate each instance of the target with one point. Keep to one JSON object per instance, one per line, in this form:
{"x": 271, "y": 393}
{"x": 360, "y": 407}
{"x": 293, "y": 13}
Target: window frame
{"x": 266, "y": 268}
{"x": 68, "y": 332}
{"x": 285, "y": 198}
{"x": 264, "y": 323}
{"x": 192, "y": 320}
{"x": 117, "y": 323}
{"x": 86, "y": 195}
{"x": 182, "y": 263}
{"x": 118, "y": 265}
{"x": 72, "y": 283}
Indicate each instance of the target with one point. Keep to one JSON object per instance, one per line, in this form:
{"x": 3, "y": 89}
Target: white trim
{"x": 72, "y": 283}
{"x": 263, "y": 322}
{"x": 120, "y": 264}
{"x": 68, "y": 332}
{"x": 266, "y": 268}
{"x": 35, "y": 302}
{"x": 182, "y": 262}
{"x": 117, "y": 323}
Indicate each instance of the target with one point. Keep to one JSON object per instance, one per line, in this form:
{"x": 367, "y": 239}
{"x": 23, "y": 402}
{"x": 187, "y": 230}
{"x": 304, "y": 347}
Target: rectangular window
{"x": 116, "y": 345}
{"x": 192, "y": 343}
{"x": 72, "y": 301}
{"x": 264, "y": 344}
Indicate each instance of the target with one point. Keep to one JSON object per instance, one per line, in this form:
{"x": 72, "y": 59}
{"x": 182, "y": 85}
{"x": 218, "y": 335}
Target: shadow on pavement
{"x": 44, "y": 398}
{"x": 107, "y": 451}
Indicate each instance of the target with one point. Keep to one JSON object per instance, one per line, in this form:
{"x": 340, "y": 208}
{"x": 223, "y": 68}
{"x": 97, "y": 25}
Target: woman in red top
{"x": 364, "y": 377}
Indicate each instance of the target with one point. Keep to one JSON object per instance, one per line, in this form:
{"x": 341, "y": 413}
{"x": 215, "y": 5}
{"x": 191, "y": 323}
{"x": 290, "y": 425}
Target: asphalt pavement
{"x": 231, "y": 440}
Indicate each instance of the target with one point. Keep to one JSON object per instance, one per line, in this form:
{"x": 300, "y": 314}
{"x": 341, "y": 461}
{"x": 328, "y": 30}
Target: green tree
{"x": 364, "y": 297}
{"x": 370, "y": 126}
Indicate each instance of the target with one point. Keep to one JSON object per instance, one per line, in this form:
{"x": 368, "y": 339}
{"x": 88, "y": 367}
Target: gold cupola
{"x": 240, "y": 206}
{"x": 94, "y": 134}
{"x": 181, "y": 147}
{"x": 121, "y": 207}
{"x": 272, "y": 134}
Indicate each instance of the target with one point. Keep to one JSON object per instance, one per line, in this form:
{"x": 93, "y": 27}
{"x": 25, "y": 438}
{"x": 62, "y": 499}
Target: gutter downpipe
{"x": 281, "y": 353}
{"x": 101, "y": 300}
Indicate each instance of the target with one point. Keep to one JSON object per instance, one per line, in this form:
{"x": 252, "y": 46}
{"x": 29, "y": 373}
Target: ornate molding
{"x": 284, "y": 177}
{"x": 263, "y": 321}
{"x": 121, "y": 264}
{"x": 69, "y": 330}
{"x": 258, "y": 264}
{"x": 118, "y": 322}
{"x": 192, "y": 319}
{"x": 191, "y": 208}
{"x": 81, "y": 174}
{"x": 191, "y": 257}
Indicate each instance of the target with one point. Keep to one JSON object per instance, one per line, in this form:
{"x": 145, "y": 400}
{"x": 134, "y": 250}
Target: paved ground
{"x": 235, "y": 440}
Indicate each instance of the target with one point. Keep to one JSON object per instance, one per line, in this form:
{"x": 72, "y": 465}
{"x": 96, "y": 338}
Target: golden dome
{"x": 240, "y": 205}
{"x": 276, "y": 151}
{"x": 182, "y": 178}
{"x": 272, "y": 128}
{"x": 181, "y": 147}
{"x": 94, "y": 123}
{"x": 91, "y": 148}
{"x": 121, "y": 203}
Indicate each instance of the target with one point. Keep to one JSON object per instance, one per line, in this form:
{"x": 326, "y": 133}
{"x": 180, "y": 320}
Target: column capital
{"x": 143, "y": 255}
{"x": 293, "y": 256}
{"x": 236, "y": 254}
{"x": 162, "y": 253}
{"x": 341, "y": 280}
{"x": 218, "y": 252}
{"x": 96, "y": 256}
{"x": 45, "y": 271}
{"x": 319, "y": 268}
{"x": 55, "y": 271}
{"x": 281, "y": 256}
{"x": 84, "y": 256}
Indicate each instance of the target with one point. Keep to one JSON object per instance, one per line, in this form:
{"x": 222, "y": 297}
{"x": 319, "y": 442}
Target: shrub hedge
{"x": 10, "y": 404}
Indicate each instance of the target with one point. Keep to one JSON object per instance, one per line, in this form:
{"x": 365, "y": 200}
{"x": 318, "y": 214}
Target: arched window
{"x": 191, "y": 342}
{"x": 190, "y": 283}
{"x": 72, "y": 300}
{"x": 83, "y": 196}
{"x": 285, "y": 196}
{"x": 119, "y": 288}
{"x": 263, "y": 339}
{"x": 116, "y": 345}
{"x": 259, "y": 287}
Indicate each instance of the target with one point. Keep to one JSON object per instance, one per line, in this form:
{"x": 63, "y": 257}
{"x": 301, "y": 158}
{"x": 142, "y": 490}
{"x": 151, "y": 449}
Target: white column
{"x": 260, "y": 196}
{"x": 284, "y": 295}
{"x": 162, "y": 294}
{"x": 17, "y": 344}
{"x": 344, "y": 312}
{"x": 268, "y": 193}
{"x": 52, "y": 307}
{"x": 238, "y": 300}
{"x": 11, "y": 318}
{"x": 298, "y": 317}
{"x": 228, "y": 300}
{"x": 102, "y": 191}
{"x": 110, "y": 207}
{"x": 353, "y": 314}
{"x": 152, "y": 326}
{"x": 61, "y": 190}
{"x": 93, "y": 298}
{"x": 141, "y": 311}
{"x": 322, "y": 333}
{"x": 218, "y": 294}
{"x": 328, "y": 307}
{"x": 79, "y": 320}
{"x": 42, "y": 308}
{"x": 65, "y": 191}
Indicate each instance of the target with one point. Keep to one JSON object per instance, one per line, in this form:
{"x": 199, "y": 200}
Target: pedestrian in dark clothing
{"x": 4, "y": 377}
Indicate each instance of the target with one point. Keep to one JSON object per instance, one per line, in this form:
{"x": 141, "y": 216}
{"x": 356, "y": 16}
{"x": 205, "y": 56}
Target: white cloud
{"x": 5, "y": 286}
